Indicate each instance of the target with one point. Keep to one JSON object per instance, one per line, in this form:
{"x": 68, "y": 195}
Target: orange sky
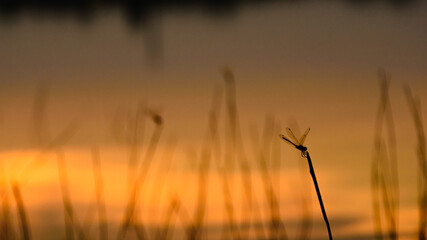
{"x": 308, "y": 65}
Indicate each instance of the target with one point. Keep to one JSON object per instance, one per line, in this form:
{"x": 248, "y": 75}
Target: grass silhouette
{"x": 384, "y": 176}
{"x": 99, "y": 192}
{"x": 415, "y": 108}
{"x": 6, "y": 223}
{"x": 276, "y": 226}
{"x": 129, "y": 215}
{"x": 221, "y": 152}
{"x": 71, "y": 225}
{"x": 23, "y": 219}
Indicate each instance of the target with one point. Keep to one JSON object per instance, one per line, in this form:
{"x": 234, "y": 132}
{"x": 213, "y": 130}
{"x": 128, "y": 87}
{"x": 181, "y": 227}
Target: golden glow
{"x": 310, "y": 65}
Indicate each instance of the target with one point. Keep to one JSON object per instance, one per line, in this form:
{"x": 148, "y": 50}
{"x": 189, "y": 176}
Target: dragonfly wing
{"x": 301, "y": 141}
{"x": 287, "y": 140}
{"x": 292, "y": 136}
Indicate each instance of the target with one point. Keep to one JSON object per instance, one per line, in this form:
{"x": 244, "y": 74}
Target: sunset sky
{"x": 305, "y": 63}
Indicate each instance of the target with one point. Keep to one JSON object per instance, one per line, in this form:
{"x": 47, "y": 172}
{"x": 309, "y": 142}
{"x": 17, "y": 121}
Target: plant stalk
{"x": 319, "y": 196}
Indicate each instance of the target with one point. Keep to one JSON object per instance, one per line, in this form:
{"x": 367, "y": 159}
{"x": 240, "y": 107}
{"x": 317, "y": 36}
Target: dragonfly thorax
{"x": 301, "y": 148}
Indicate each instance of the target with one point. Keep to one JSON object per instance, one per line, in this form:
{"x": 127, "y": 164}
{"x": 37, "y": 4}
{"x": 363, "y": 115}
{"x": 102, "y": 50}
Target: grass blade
{"x": 415, "y": 108}
{"x": 23, "y": 219}
{"x": 99, "y": 192}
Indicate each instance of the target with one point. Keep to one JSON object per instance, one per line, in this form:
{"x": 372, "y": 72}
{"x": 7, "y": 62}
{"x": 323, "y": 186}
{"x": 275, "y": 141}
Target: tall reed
{"x": 166, "y": 230}
{"x": 139, "y": 182}
{"x": 72, "y": 226}
{"x": 128, "y": 128}
{"x": 415, "y": 108}
{"x": 6, "y": 222}
{"x": 238, "y": 149}
{"x": 23, "y": 218}
{"x": 196, "y": 229}
{"x": 319, "y": 196}
{"x": 47, "y": 143}
{"x": 230, "y": 152}
{"x": 99, "y": 193}
{"x": 384, "y": 175}
{"x": 277, "y": 229}
{"x": 41, "y": 134}
{"x": 157, "y": 191}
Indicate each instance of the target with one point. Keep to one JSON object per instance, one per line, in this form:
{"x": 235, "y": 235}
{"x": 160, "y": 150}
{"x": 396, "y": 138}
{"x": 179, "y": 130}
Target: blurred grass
{"x": 222, "y": 153}
{"x": 384, "y": 175}
{"x": 415, "y": 108}
{"x": 99, "y": 192}
{"x": 6, "y": 224}
{"x": 23, "y": 218}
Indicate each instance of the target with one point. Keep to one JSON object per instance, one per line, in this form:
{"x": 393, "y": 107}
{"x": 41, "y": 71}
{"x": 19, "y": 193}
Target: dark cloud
{"x": 316, "y": 224}
{"x": 138, "y": 12}
{"x": 337, "y": 222}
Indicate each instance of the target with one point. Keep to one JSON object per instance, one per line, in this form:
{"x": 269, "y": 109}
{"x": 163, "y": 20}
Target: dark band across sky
{"x": 138, "y": 12}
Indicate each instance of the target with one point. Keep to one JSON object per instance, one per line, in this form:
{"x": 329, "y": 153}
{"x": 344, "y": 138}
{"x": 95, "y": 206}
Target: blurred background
{"x": 161, "y": 119}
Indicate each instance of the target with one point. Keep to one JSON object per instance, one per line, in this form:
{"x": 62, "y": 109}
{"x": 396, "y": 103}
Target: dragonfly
{"x": 298, "y": 144}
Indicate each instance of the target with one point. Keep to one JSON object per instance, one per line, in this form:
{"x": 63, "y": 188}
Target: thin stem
{"x": 99, "y": 190}
{"x": 25, "y": 226}
{"x": 319, "y": 196}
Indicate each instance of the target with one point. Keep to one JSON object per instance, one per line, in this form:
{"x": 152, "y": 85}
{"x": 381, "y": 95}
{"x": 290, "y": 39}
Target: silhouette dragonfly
{"x": 298, "y": 144}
